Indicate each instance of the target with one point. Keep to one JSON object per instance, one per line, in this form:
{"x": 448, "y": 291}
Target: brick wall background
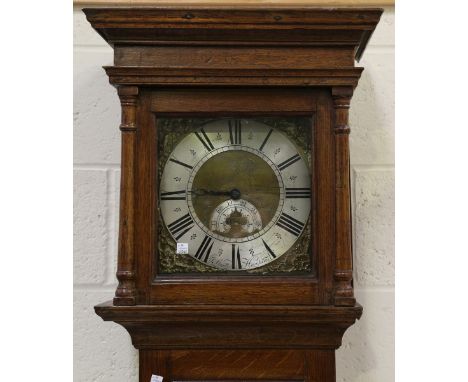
{"x": 103, "y": 351}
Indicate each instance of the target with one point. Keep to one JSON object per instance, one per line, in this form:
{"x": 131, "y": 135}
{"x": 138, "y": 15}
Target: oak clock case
{"x": 235, "y": 183}
{"x": 235, "y": 254}
{"x": 235, "y": 195}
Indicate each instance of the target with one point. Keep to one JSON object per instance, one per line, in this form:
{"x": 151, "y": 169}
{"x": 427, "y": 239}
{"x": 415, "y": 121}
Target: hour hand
{"x": 202, "y": 192}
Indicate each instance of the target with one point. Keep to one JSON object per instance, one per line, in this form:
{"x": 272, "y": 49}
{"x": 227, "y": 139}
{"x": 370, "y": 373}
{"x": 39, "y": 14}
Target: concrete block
{"x": 103, "y": 351}
{"x": 83, "y": 33}
{"x": 374, "y": 227}
{"x": 367, "y": 353}
{"x": 90, "y": 225}
{"x": 384, "y": 34}
{"x": 114, "y": 227}
{"x": 372, "y": 113}
{"x": 96, "y": 109}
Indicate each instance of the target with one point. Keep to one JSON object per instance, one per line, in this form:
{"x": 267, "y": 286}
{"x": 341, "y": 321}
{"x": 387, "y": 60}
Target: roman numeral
{"x": 173, "y": 195}
{"x": 297, "y": 193}
{"x": 236, "y": 262}
{"x": 290, "y": 224}
{"x": 235, "y": 132}
{"x": 181, "y": 226}
{"x": 205, "y": 140}
{"x": 204, "y": 249}
{"x": 181, "y": 163}
{"x": 270, "y": 251}
{"x": 289, "y": 162}
{"x": 266, "y": 139}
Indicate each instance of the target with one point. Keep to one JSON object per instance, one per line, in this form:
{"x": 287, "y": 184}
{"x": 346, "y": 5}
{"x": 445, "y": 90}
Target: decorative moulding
{"x": 321, "y": 3}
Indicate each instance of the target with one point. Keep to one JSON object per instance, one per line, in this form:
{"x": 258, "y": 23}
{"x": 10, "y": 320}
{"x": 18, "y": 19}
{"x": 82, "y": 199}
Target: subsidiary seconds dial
{"x": 237, "y": 192}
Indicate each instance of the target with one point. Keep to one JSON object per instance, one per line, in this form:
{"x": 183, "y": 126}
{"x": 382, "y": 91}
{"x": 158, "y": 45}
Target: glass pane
{"x": 234, "y": 195}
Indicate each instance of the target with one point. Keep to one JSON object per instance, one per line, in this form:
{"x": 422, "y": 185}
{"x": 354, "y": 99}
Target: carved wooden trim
{"x": 126, "y": 291}
{"x": 206, "y": 313}
{"x": 195, "y": 24}
{"x": 131, "y": 75}
{"x": 343, "y": 275}
{"x": 323, "y": 3}
{"x": 238, "y": 326}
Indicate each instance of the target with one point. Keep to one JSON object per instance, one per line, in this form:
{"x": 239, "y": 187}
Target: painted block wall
{"x": 102, "y": 350}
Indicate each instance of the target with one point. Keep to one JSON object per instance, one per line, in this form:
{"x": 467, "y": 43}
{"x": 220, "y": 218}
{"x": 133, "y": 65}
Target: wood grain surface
{"x": 232, "y": 326}
{"x": 183, "y": 60}
{"x": 239, "y": 365}
{"x": 321, "y": 3}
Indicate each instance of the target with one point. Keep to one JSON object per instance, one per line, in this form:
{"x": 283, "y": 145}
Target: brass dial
{"x": 237, "y": 192}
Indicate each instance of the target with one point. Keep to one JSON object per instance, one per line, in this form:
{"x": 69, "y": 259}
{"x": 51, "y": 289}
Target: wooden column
{"x": 126, "y": 291}
{"x": 343, "y": 275}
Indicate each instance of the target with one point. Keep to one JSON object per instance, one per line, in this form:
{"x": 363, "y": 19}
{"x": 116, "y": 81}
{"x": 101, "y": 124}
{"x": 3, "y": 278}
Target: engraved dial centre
{"x": 240, "y": 176}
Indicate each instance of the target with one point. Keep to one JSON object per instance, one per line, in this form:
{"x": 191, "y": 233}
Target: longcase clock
{"x": 235, "y": 253}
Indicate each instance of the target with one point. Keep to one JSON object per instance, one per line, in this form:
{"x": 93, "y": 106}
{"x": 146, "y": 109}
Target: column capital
{"x": 128, "y": 100}
{"x": 341, "y": 100}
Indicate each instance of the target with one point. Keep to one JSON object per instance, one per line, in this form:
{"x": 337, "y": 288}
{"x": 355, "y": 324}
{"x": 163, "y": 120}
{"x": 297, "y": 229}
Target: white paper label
{"x": 182, "y": 249}
{"x": 156, "y": 378}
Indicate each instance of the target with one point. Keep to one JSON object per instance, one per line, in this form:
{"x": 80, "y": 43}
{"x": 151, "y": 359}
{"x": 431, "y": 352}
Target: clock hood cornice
{"x": 215, "y": 46}
{"x": 236, "y": 26}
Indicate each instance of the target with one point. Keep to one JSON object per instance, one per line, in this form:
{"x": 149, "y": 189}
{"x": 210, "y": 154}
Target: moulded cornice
{"x": 131, "y": 75}
{"x": 241, "y": 326}
{"x": 318, "y": 3}
{"x": 239, "y": 25}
